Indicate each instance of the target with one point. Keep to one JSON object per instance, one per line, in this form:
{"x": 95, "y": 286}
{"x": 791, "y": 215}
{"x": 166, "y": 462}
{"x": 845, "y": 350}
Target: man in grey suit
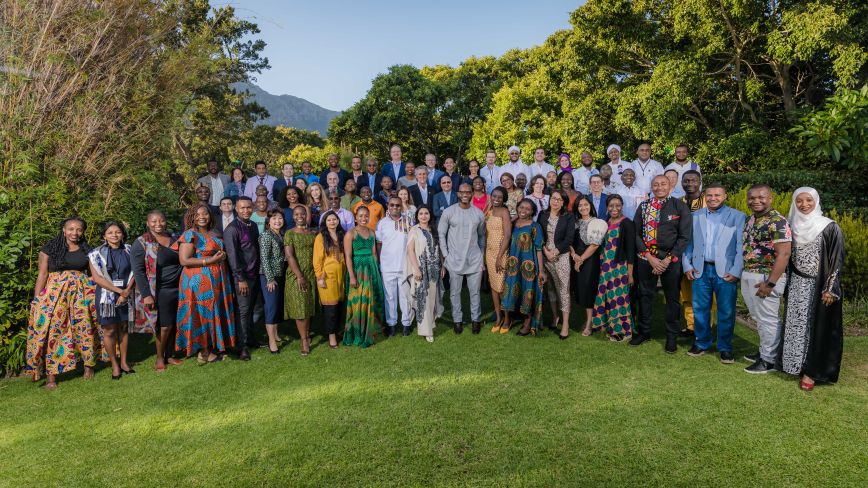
{"x": 216, "y": 180}
{"x": 714, "y": 261}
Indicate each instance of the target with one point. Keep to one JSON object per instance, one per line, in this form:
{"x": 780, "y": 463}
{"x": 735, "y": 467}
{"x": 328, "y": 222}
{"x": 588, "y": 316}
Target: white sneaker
{"x": 430, "y": 338}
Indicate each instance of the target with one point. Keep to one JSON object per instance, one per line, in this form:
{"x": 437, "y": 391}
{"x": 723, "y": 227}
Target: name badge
{"x": 118, "y": 283}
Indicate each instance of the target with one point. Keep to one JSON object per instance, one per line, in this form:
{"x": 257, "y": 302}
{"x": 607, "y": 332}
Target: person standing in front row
{"x": 329, "y": 268}
{"x": 663, "y": 230}
{"x": 558, "y": 226}
{"x": 695, "y": 201}
{"x": 767, "y": 247}
{"x": 812, "y": 339}
{"x": 365, "y": 294}
{"x": 524, "y": 275}
{"x": 424, "y": 272}
{"x": 612, "y": 311}
{"x": 713, "y": 263}
{"x": 498, "y": 228}
{"x": 271, "y": 266}
{"x": 391, "y": 245}
{"x": 242, "y": 253}
{"x": 462, "y": 238}
{"x": 300, "y": 291}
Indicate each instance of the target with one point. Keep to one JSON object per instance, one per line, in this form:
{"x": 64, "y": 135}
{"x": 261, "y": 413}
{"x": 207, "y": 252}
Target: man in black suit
{"x": 242, "y": 252}
{"x": 227, "y": 214}
{"x": 421, "y": 192}
{"x": 663, "y": 229}
{"x": 371, "y": 178}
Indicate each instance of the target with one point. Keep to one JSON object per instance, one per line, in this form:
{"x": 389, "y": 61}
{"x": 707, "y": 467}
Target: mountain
{"x": 290, "y": 111}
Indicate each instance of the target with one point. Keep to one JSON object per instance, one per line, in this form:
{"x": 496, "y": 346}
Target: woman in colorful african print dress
{"x": 612, "y": 305}
{"x": 424, "y": 274}
{"x": 365, "y": 307}
{"x": 62, "y": 315}
{"x": 498, "y": 225}
{"x": 300, "y": 291}
{"x": 206, "y": 318}
{"x": 524, "y": 276}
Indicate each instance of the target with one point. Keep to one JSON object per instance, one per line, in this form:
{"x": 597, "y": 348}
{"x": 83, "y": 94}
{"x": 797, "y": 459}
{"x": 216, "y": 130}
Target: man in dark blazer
{"x": 598, "y": 198}
{"x": 422, "y": 193}
{"x": 389, "y": 169}
{"x": 664, "y": 226}
{"x": 278, "y": 191}
{"x": 446, "y": 198}
{"x": 242, "y": 253}
{"x": 334, "y": 167}
{"x": 370, "y": 178}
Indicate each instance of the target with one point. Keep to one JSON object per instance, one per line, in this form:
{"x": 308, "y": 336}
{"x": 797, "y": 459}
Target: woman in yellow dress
{"x": 498, "y": 225}
{"x": 329, "y": 268}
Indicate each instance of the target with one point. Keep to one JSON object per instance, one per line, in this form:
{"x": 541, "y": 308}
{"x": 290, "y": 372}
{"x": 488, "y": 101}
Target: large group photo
{"x": 599, "y": 257}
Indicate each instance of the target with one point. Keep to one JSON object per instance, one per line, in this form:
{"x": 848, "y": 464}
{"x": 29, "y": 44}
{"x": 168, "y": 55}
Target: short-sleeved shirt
{"x": 72, "y": 261}
{"x": 760, "y": 236}
{"x": 392, "y": 236}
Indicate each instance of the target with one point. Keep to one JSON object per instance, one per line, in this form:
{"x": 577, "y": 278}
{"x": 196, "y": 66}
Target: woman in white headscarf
{"x": 812, "y": 337}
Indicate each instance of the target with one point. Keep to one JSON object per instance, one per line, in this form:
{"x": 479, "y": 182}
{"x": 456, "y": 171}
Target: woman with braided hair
{"x": 62, "y": 325}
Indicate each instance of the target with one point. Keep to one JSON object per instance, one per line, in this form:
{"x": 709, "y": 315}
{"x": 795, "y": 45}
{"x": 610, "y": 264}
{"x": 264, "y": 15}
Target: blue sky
{"x": 328, "y": 51}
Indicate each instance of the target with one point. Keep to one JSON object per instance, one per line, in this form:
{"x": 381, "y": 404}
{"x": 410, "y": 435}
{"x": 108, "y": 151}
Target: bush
{"x": 738, "y": 201}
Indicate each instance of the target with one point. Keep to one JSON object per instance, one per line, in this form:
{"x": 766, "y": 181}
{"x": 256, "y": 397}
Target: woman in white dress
{"x": 424, "y": 274}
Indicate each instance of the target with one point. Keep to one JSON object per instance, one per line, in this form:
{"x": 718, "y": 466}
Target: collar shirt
{"x": 617, "y": 170}
{"x": 216, "y": 190}
{"x": 633, "y": 196}
{"x": 491, "y": 175}
{"x": 541, "y": 169}
{"x": 515, "y": 168}
{"x": 581, "y": 177}
{"x": 678, "y": 191}
{"x": 645, "y": 173}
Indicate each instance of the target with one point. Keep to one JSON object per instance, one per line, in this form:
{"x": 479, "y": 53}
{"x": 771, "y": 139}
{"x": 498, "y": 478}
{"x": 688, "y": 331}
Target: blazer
{"x": 279, "y": 190}
{"x": 363, "y": 181}
{"x": 387, "y": 170}
{"x": 673, "y": 232}
{"x": 223, "y": 177}
{"x": 603, "y": 208}
{"x": 564, "y": 229}
{"x": 416, "y": 195}
{"x": 728, "y": 257}
{"x": 441, "y": 203}
{"x": 435, "y": 184}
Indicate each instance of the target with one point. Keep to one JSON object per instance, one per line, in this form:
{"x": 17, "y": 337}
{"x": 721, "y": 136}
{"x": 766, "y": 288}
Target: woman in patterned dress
{"x": 62, "y": 324}
{"x": 558, "y": 228}
{"x": 329, "y": 269}
{"x": 365, "y": 306}
{"x": 524, "y": 276}
{"x": 206, "y": 317}
{"x": 587, "y": 239}
{"x": 424, "y": 274}
{"x": 513, "y": 194}
{"x": 612, "y": 304}
{"x": 498, "y": 225}
{"x": 812, "y": 336}
{"x": 300, "y": 292}
{"x": 271, "y": 264}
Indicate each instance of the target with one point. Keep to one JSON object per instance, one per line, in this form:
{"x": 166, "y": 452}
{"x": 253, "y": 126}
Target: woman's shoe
{"x": 276, "y": 351}
{"x": 430, "y": 338}
{"x": 522, "y": 334}
{"x": 504, "y": 329}
{"x": 587, "y": 332}
{"x": 496, "y": 328}
{"x": 804, "y": 385}
{"x": 563, "y": 337}
{"x": 128, "y": 371}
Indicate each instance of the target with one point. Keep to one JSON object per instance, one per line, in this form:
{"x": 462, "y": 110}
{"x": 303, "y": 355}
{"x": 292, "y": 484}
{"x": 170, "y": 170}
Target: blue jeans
{"x": 703, "y": 288}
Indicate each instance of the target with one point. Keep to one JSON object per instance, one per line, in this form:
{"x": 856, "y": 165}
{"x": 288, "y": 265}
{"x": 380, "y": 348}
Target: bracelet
{"x": 203, "y": 262}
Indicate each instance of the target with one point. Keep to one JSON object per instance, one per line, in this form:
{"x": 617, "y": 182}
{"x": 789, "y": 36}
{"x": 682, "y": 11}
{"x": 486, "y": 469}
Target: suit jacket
{"x": 441, "y": 202}
{"x": 279, "y": 190}
{"x": 435, "y": 184}
{"x": 564, "y": 229}
{"x": 673, "y": 231}
{"x": 728, "y": 257}
{"x": 603, "y": 208}
{"x": 416, "y": 195}
{"x": 243, "y": 261}
{"x": 387, "y": 170}
{"x": 363, "y": 181}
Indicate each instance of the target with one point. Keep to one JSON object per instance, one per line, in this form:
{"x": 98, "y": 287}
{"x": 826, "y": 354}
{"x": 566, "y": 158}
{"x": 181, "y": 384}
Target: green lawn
{"x": 486, "y": 410}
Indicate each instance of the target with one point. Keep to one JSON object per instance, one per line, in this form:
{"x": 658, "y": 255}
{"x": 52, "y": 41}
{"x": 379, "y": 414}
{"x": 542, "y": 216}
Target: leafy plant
{"x": 839, "y": 131}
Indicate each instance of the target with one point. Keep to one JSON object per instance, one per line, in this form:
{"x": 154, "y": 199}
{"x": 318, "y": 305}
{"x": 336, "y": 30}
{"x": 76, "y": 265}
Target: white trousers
{"x": 765, "y": 312}
{"x": 395, "y": 295}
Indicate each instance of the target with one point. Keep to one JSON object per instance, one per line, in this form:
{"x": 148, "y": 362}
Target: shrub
{"x": 856, "y": 254}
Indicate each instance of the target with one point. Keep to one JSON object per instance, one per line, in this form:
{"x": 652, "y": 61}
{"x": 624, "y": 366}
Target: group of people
{"x": 372, "y": 247}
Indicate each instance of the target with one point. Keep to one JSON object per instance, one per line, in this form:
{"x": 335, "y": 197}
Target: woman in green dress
{"x": 524, "y": 277}
{"x": 300, "y": 292}
{"x": 365, "y": 306}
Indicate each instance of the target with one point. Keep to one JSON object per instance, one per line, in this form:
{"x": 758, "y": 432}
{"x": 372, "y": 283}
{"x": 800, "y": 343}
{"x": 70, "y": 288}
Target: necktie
{"x": 261, "y": 180}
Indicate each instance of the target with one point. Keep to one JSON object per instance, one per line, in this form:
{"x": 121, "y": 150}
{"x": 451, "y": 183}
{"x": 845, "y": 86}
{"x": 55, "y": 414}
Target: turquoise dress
{"x": 522, "y": 289}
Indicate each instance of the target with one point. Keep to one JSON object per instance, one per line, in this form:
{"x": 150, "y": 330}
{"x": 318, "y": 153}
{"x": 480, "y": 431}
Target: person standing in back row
{"x": 261, "y": 178}
{"x": 681, "y": 165}
{"x": 216, "y": 180}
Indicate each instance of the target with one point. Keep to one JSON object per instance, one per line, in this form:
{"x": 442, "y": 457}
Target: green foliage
{"x": 269, "y": 144}
{"x": 840, "y": 130}
{"x": 856, "y": 255}
{"x": 738, "y": 201}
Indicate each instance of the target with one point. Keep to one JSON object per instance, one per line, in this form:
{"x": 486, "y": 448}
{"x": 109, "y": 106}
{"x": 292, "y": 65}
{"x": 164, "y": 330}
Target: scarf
{"x": 806, "y": 227}
{"x": 569, "y": 167}
{"x": 101, "y": 260}
{"x": 146, "y": 319}
{"x": 651, "y": 220}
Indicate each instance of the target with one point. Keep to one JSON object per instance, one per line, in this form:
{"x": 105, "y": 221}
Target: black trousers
{"x": 671, "y": 281}
{"x": 245, "y": 313}
{"x": 333, "y": 317}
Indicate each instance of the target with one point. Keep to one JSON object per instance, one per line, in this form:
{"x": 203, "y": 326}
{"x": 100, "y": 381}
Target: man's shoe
{"x": 685, "y": 332}
{"x": 638, "y": 339}
{"x": 477, "y": 327}
{"x": 752, "y": 357}
{"x": 695, "y": 351}
{"x": 726, "y": 357}
{"x": 244, "y": 355}
{"x": 406, "y": 331}
{"x": 671, "y": 346}
{"x": 458, "y": 327}
{"x": 390, "y": 331}
{"x": 759, "y": 367}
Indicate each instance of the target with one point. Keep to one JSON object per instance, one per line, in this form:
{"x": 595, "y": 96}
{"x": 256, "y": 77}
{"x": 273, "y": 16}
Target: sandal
{"x": 587, "y": 332}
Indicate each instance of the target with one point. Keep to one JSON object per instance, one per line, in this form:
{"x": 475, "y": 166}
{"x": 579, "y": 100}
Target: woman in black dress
{"x": 157, "y": 271}
{"x": 589, "y": 235}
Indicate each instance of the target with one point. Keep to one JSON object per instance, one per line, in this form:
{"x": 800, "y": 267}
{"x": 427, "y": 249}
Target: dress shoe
{"x": 563, "y": 337}
{"x": 671, "y": 346}
{"x": 759, "y": 367}
{"x": 406, "y": 331}
{"x": 244, "y": 354}
{"x": 695, "y": 351}
{"x": 726, "y": 357}
{"x": 390, "y": 331}
{"x": 458, "y": 327}
{"x": 476, "y": 327}
{"x": 752, "y": 357}
{"x": 638, "y": 339}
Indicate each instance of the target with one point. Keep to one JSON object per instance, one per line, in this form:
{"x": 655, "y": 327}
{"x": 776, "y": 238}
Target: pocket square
{"x": 674, "y": 217}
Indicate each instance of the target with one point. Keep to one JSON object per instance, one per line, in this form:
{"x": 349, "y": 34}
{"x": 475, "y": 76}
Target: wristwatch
{"x": 771, "y": 284}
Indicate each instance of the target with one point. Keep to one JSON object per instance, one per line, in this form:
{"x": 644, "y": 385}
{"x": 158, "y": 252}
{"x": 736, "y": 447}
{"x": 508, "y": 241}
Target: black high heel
{"x": 563, "y": 337}
{"x": 128, "y": 371}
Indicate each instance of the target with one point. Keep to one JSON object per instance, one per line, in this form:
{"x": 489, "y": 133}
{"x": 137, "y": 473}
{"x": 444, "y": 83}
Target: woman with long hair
{"x": 111, "y": 270}
{"x": 424, "y": 274}
{"x": 588, "y": 235}
{"x": 329, "y": 267}
{"x": 498, "y": 226}
{"x": 300, "y": 296}
{"x": 236, "y": 186}
{"x": 271, "y": 265}
{"x": 365, "y": 305}
{"x": 524, "y": 276}
{"x": 558, "y": 226}
{"x": 316, "y": 203}
{"x": 479, "y": 198}
{"x": 157, "y": 271}
{"x": 408, "y": 210}
{"x": 62, "y": 327}
{"x": 612, "y": 303}
{"x": 206, "y": 316}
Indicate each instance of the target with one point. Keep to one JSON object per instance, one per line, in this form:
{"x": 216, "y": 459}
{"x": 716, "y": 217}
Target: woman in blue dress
{"x": 524, "y": 279}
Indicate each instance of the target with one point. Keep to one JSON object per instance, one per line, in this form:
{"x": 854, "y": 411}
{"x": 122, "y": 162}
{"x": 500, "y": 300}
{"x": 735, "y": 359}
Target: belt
{"x": 711, "y": 263}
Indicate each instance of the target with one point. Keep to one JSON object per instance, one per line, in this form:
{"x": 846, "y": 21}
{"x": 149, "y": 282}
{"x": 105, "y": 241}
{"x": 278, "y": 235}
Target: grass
{"x": 486, "y": 410}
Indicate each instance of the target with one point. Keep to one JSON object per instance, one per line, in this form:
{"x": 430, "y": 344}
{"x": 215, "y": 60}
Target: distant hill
{"x": 290, "y": 111}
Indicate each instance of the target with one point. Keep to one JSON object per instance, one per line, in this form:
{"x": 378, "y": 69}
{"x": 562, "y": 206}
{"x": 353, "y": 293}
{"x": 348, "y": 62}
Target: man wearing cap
{"x": 515, "y": 164}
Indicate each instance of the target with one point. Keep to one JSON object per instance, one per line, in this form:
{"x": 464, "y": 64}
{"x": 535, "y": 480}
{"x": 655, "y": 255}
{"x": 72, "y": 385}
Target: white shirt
{"x": 515, "y": 168}
{"x": 423, "y": 192}
{"x": 645, "y": 173}
{"x": 216, "y": 190}
{"x": 227, "y": 219}
{"x": 617, "y": 169}
{"x": 491, "y": 175}
{"x": 392, "y": 236}
{"x": 581, "y": 177}
{"x": 541, "y": 169}
{"x": 678, "y": 191}
{"x": 632, "y": 196}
